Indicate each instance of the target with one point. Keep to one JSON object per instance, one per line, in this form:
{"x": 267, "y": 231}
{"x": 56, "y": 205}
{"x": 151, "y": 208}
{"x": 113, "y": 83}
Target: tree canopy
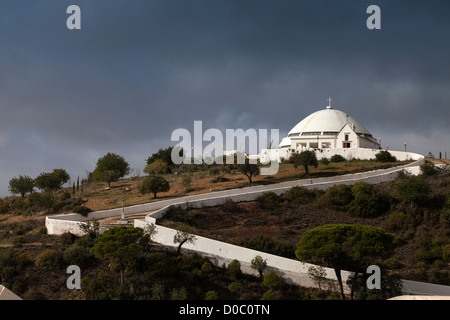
{"x": 412, "y": 189}
{"x": 305, "y": 159}
{"x": 344, "y": 247}
{"x": 154, "y": 184}
{"x": 121, "y": 246}
{"x": 52, "y": 181}
{"x": 249, "y": 169}
{"x": 21, "y": 185}
{"x": 110, "y": 168}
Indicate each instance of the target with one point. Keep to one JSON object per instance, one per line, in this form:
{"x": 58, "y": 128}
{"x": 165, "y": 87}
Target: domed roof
{"x": 328, "y": 120}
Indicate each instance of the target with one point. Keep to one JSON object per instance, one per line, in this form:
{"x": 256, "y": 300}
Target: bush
{"x": 337, "y": 158}
{"x": 156, "y": 167}
{"x": 269, "y": 245}
{"x": 211, "y": 295}
{"x": 68, "y": 238}
{"x": 269, "y": 200}
{"x": 338, "y": 197}
{"x": 412, "y": 189}
{"x": 77, "y": 255}
{"x": 299, "y": 194}
{"x": 428, "y": 169}
{"x": 234, "y": 286}
{"x": 43, "y": 230}
{"x": 48, "y": 260}
{"x": 396, "y": 222}
{"x": 324, "y": 161}
{"x": 230, "y": 206}
{"x": 385, "y": 156}
{"x": 18, "y": 241}
{"x": 273, "y": 281}
{"x": 368, "y": 202}
{"x": 4, "y": 207}
{"x": 234, "y": 269}
{"x": 84, "y": 211}
{"x": 206, "y": 267}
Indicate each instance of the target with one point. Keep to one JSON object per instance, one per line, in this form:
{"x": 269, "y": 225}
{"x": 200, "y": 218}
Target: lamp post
{"x": 379, "y": 141}
{"x": 405, "y": 146}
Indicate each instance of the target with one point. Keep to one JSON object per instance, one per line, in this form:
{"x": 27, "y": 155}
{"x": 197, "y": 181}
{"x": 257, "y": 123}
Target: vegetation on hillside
{"x": 33, "y": 264}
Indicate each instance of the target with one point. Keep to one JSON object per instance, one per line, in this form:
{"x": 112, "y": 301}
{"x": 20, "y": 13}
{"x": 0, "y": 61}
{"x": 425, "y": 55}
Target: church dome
{"x": 326, "y": 122}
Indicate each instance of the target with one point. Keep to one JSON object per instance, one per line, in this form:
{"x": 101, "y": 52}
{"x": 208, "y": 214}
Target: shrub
{"x": 67, "y": 238}
{"x": 299, "y": 194}
{"x": 76, "y": 255}
{"x": 412, "y": 189}
{"x": 368, "y": 202}
{"x": 33, "y": 294}
{"x": 230, "y": 206}
{"x": 43, "y": 230}
{"x": 18, "y": 241}
{"x": 84, "y": 211}
{"x": 338, "y": 197}
{"x": 337, "y": 158}
{"x": 211, "y": 295}
{"x": 385, "y": 156}
{"x": 156, "y": 167}
{"x": 273, "y": 281}
{"x": 234, "y": 286}
{"x": 269, "y": 245}
{"x": 396, "y": 222}
{"x": 4, "y": 207}
{"x": 234, "y": 269}
{"x": 324, "y": 161}
{"x": 428, "y": 169}
{"x": 48, "y": 260}
{"x": 269, "y": 200}
{"x": 206, "y": 267}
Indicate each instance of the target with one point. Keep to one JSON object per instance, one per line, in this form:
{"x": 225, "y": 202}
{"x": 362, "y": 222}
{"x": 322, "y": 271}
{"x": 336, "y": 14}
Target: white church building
{"x": 328, "y": 131}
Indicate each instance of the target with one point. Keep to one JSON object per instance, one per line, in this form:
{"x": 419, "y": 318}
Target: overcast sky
{"x": 137, "y": 70}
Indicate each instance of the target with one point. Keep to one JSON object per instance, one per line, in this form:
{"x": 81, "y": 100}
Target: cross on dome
{"x": 329, "y": 103}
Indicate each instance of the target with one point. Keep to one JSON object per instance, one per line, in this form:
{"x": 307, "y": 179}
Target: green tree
{"x": 234, "y": 269}
{"x": 412, "y": 189}
{"x": 249, "y": 169}
{"x": 305, "y": 159}
{"x": 344, "y": 247}
{"x": 166, "y": 156}
{"x": 158, "y": 166}
{"x": 183, "y": 236}
{"x": 273, "y": 280}
{"x": 52, "y": 181}
{"x": 154, "y": 184}
{"x": 21, "y": 185}
{"x": 259, "y": 264}
{"x": 119, "y": 245}
{"x": 110, "y": 168}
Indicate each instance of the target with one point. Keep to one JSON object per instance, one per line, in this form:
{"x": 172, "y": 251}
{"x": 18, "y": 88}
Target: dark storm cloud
{"x": 140, "y": 69}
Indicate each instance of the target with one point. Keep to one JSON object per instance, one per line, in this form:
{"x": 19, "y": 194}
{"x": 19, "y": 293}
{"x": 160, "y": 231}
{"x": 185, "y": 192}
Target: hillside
{"x": 23, "y": 236}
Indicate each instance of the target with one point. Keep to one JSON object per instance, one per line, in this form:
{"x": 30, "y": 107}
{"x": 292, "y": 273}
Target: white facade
{"x": 327, "y": 129}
